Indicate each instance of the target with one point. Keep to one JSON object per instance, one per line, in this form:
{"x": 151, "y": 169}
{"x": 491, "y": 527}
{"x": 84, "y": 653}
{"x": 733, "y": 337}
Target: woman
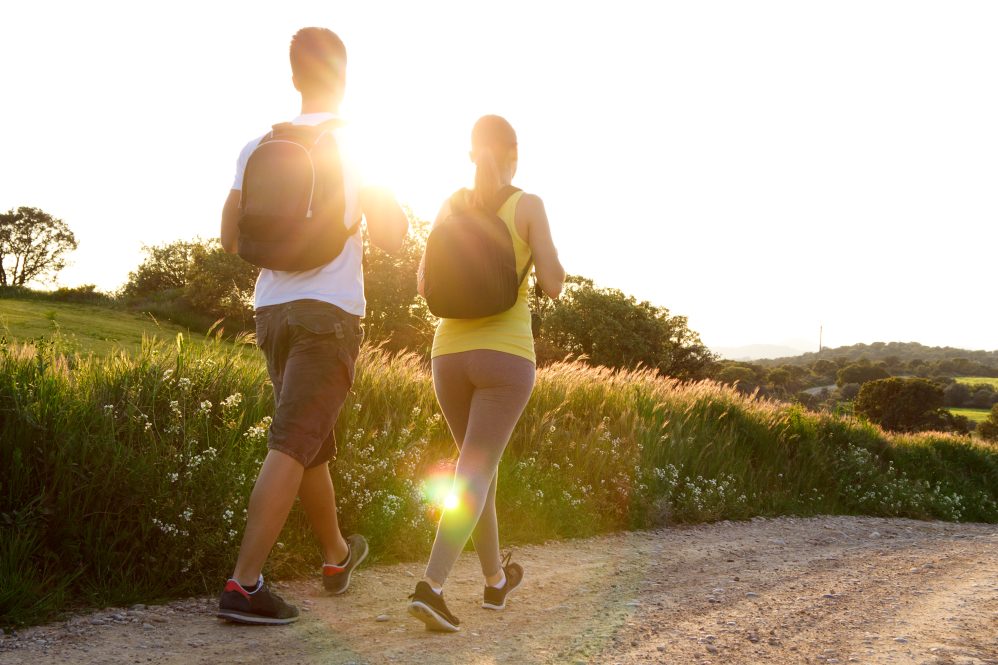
{"x": 483, "y": 373}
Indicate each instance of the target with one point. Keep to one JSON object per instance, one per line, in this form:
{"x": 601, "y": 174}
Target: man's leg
{"x": 270, "y": 503}
{"x": 318, "y": 498}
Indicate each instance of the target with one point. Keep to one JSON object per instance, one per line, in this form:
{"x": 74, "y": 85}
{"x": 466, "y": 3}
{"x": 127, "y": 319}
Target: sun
{"x": 421, "y": 164}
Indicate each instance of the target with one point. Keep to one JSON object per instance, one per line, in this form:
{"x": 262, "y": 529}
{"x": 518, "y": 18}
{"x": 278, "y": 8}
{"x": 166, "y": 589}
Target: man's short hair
{"x": 318, "y": 59}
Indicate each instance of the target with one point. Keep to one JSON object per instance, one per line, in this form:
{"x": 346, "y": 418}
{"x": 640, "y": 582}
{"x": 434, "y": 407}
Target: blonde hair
{"x": 493, "y": 142}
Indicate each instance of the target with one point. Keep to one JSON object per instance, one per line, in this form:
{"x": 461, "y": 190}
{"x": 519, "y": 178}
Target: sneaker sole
{"x": 349, "y": 573}
{"x": 431, "y": 618}
{"x": 490, "y": 606}
{"x": 253, "y": 619}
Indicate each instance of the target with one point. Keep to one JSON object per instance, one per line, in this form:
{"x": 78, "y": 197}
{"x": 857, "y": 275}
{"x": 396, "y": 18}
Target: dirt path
{"x": 824, "y": 590}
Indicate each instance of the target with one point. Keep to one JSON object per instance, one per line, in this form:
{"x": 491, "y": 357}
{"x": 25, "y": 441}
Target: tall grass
{"x": 125, "y": 477}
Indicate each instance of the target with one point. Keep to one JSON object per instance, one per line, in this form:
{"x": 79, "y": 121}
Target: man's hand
{"x": 386, "y": 222}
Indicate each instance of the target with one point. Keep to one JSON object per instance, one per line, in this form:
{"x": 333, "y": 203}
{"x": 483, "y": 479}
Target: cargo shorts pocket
{"x": 261, "y": 319}
{"x": 332, "y": 327}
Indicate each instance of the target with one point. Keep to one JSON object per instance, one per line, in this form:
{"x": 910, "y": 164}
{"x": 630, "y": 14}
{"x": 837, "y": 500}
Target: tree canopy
{"x": 906, "y": 405}
{"x": 33, "y": 246}
{"x": 613, "y": 329}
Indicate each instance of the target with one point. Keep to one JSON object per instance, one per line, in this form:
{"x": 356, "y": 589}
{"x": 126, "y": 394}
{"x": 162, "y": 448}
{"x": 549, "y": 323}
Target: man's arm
{"x": 230, "y": 222}
{"x": 386, "y": 222}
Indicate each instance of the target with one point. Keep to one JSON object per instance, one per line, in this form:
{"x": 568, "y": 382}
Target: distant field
{"x": 978, "y": 379}
{"x": 82, "y": 328}
{"x": 976, "y": 415}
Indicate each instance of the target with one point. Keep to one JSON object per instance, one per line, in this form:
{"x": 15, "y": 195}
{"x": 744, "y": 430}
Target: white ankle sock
{"x": 501, "y": 583}
{"x": 437, "y": 589}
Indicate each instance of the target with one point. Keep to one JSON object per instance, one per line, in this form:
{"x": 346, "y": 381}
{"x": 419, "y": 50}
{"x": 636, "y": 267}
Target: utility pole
{"x": 821, "y": 337}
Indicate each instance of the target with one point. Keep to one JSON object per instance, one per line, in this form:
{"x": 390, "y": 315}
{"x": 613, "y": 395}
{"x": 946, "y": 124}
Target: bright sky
{"x": 760, "y": 167}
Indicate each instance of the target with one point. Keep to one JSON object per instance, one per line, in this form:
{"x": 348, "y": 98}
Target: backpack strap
{"x": 502, "y": 196}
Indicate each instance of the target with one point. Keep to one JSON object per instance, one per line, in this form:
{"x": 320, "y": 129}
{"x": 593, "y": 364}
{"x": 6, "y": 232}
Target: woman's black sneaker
{"x": 430, "y": 608}
{"x": 260, "y": 607}
{"x": 495, "y": 599}
{"x": 336, "y": 578}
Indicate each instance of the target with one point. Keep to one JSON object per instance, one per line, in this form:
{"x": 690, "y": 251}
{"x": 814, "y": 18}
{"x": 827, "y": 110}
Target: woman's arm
{"x": 550, "y": 273}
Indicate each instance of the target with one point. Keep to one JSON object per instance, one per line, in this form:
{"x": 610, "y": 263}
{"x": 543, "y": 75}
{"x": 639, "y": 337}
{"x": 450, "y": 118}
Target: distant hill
{"x": 81, "y": 327}
{"x": 901, "y": 351}
{"x": 755, "y": 351}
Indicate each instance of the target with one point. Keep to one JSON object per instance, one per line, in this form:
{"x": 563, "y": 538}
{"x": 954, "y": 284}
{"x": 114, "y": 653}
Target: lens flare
{"x": 438, "y": 486}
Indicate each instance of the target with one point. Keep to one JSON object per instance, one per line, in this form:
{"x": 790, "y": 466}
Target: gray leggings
{"x": 482, "y": 394}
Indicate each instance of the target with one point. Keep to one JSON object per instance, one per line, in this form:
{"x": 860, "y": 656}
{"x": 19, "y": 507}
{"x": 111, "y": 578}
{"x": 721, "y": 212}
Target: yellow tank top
{"x": 508, "y": 331}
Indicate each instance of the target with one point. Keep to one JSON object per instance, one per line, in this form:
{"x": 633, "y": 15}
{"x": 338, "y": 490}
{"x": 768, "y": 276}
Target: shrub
{"x": 126, "y": 477}
{"x": 904, "y": 405}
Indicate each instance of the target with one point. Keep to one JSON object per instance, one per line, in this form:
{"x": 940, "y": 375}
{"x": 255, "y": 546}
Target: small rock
{"x": 828, "y": 595}
{"x": 875, "y": 534}
{"x": 97, "y": 622}
{"x": 147, "y": 626}
{"x": 711, "y": 648}
{"x": 138, "y": 606}
{"x": 633, "y": 603}
{"x": 901, "y": 640}
{"x": 661, "y": 648}
{"x": 751, "y": 594}
{"x": 382, "y": 617}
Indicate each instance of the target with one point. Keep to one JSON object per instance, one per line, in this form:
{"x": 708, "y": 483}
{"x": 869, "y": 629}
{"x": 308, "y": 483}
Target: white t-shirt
{"x": 339, "y": 282}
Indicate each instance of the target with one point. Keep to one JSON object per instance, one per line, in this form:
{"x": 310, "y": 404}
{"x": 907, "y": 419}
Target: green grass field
{"x": 972, "y": 380}
{"x": 125, "y": 475}
{"x": 975, "y": 415}
{"x": 83, "y": 328}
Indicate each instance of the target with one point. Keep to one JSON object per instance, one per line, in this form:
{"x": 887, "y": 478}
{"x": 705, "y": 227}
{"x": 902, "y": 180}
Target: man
{"x": 308, "y": 326}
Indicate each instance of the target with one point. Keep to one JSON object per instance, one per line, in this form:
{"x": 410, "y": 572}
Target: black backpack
{"x": 292, "y": 205}
{"x": 470, "y": 267}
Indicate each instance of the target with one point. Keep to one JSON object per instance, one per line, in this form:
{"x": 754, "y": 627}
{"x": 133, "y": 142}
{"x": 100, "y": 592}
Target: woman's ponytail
{"x": 487, "y": 180}
{"x": 493, "y": 143}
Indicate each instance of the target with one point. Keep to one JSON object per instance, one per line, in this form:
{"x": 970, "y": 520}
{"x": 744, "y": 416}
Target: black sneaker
{"x": 261, "y": 607}
{"x": 430, "y": 608}
{"x": 495, "y": 599}
{"x": 336, "y": 578}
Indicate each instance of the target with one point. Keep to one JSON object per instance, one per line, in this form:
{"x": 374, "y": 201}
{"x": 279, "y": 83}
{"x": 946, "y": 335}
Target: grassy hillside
{"x": 976, "y": 415}
{"x": 78, "y": 327}
{"x": 125, "y": 476}
{"x": 975, "y": 380}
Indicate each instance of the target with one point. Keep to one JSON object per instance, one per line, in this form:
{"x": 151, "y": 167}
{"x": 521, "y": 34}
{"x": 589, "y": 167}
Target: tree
{"x": 989, "y": 428}
{"x": 956, "y": 394}
{"x": 197, "y": 277}
{"x": 860, "y": 373}
{"x": 397, "y": 318}
{"x": 904, "y": 405}
{"x": 741, "y": 377}
{"x": 220, "y": 284}
{"x": 981, "y": 399}
{"x": 849, "y": 391}
{"x": 166, "y": 268}
{"x": 616, "y": 330}
{"x": 33, "y": 245}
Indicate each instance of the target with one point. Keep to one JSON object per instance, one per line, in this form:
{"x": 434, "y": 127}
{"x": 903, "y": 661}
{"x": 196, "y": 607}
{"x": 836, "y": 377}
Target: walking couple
{"x": 295, "y": 209}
